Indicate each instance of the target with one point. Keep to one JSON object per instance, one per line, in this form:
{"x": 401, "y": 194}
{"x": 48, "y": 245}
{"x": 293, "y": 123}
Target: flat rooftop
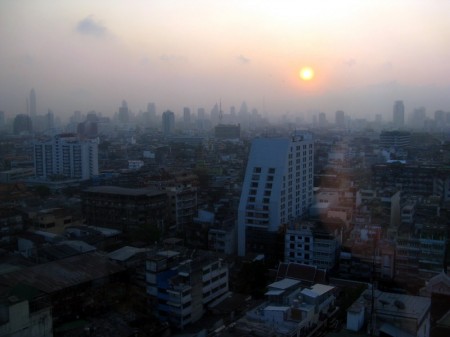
{"x": 124, "y": 191}
{"x": 284, "y": 284}
{"x": 65, "y": 273}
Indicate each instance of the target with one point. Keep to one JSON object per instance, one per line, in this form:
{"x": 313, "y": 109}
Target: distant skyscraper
{"x": 2, "y": 119}
{"x": 439, "y": 118}
{"x": 168, "y": 122}
{"x": 124, "y": 115}
{"x": 50, "y": 120}
{"x": 340, "y": 118}
{"x": 201, "y": 114}
{"x": 151, "y": 109}
{"x": 66, "y": 155}
{"x": 22, "y": 124}
{"x": 322, "y": 119}
{"x": 418, "y": 118}
{"x": 277, "y": 188}
{"x": 186, "y": 116}
{"x": 32, "y": 103}
{"x": 399, "y": 114}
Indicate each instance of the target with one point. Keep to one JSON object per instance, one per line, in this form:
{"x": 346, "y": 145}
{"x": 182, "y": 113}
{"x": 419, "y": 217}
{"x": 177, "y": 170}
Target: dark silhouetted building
{"x": 124, "y": 208}
{"x": 398, "y": 116}
{"x": 168, "y": 122}
{"x": 22, "y": 124}
{"x": 223, "y": 131}
{"x": 33, "y": 103}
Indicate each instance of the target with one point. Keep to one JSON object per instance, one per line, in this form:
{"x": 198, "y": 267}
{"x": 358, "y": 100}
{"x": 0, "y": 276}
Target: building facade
{"x": 66, "y": 156}
{"x": 398, "y": 114}
{"x": 180, "y": 286}
{"x": 306, "y": 244}
{"x": 168, "y": 122}
{"x": 124, "y": 208}
{"x": 182, "y": 206}
{"x": 277, "y": 188}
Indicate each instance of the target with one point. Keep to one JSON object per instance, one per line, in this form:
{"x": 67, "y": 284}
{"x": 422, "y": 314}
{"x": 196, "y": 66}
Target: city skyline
{"x": 89, "y": 56}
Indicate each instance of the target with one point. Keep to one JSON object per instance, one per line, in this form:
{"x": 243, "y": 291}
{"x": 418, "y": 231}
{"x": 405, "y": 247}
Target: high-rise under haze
{"x": 168, "y": 122}
{"x": 124, "y": 113}
{"x": 32, "y": 103}
{"x": 340, "y": 118}
{"x": 277, "y": 189}
{"x": 398, "y": 116}
{"x": 186, "y": 115}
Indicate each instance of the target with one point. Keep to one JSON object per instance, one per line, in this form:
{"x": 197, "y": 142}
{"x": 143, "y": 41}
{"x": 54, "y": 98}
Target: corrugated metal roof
{"x": 56, "y": 275}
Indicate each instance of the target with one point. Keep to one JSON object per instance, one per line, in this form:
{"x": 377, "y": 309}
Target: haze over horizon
{"x": 84, "y": 55}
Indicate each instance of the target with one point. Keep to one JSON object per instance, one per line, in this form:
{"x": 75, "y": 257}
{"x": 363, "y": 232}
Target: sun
{"x": 306, "y": 73}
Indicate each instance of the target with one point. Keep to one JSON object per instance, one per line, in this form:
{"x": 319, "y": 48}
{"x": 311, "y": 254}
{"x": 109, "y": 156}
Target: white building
{"x": 291, "y": 310}
{"x": 67, "y": 156}
{"x": 278, "y": 186}
{"x": 24, "y": 311}
{"x": 308, "y": 244}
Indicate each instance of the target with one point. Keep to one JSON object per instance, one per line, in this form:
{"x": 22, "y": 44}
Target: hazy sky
{"x": 89, "y": 55}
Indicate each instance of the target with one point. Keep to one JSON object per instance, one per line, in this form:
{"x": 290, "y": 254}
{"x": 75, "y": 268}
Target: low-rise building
{"x": 311, "y": 244}
{"x": 291, "y": 310}
{"x": 389, "y": 314}
{"x": 25, "y": 311}
{"x": 124, "y": 208}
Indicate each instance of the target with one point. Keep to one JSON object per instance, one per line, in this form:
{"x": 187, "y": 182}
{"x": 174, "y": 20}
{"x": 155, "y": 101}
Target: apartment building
{"x": 66, "y": 156}
{"x": 311, "y": 244}
{"x": 124, "y": 208}
{"x": 181, "y": 284}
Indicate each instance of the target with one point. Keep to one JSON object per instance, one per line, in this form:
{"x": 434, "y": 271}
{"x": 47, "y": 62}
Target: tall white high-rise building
{"x": 277, "y": 188}
{"x": 67, "y": 156}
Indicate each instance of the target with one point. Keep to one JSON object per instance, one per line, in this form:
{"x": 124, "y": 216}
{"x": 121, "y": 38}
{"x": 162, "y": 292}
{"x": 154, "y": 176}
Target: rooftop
{"x": 284, "y": 284}
{"x": 57, "y": 275}
{"x": 125, "y": 253}
{"x": 124, "y": 191}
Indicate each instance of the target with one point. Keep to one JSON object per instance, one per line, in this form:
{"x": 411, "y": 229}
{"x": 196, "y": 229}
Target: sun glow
{"x": 306, "y": 73}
